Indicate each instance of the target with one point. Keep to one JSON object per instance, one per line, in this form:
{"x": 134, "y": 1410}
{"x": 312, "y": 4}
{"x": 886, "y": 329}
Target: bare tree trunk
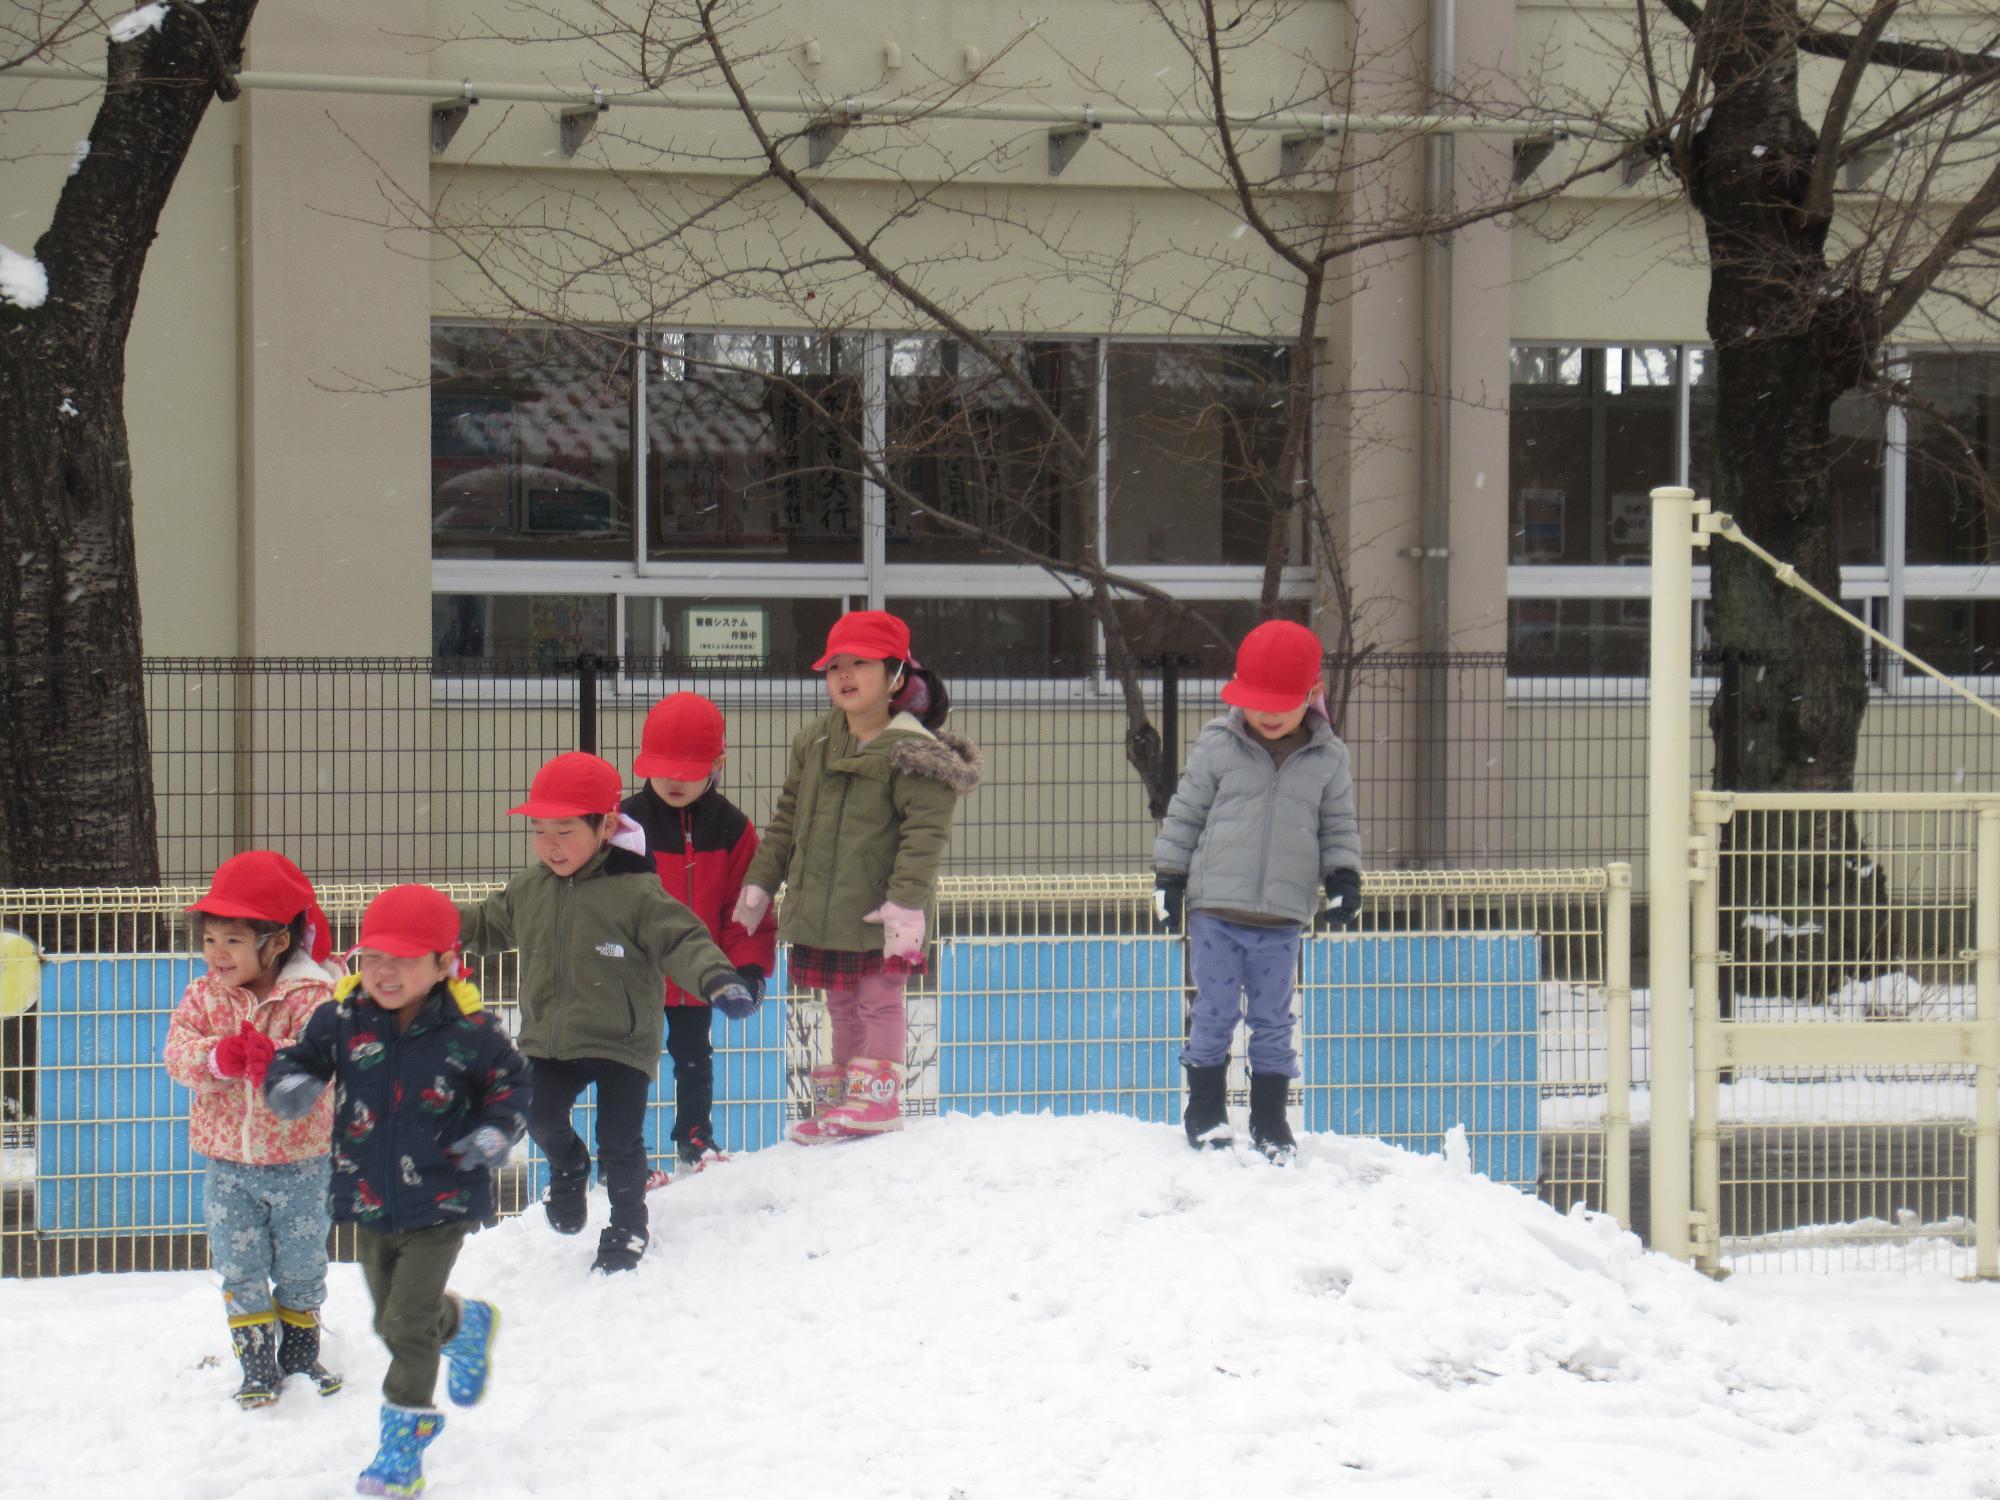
{"x": 76, "y": 787}
{"x": 1787, "y": 346}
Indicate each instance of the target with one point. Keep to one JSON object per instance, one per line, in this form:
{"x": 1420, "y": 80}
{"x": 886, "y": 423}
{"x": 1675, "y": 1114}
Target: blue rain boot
{"x": 470, "y": 1351}
{"x": 398, "y": 1468}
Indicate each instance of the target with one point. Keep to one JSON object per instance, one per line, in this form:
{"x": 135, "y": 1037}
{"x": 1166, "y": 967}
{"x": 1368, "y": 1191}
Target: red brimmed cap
{"x": 871, "y": 634}
{"x": 575, "y": 784}
{"x": 261, "y": 885}
{"x": 408, "y": 921}
{"x": 1277, "y": 667}
{"x": 682, "y": 739}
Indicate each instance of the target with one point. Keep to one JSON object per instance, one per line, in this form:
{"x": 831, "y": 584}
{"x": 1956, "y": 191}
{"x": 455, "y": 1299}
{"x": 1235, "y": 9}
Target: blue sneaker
{"x": 470, "y": 1351}
{"x": 398, "y": 1468}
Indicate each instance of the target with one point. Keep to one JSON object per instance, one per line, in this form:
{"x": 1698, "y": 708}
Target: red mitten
{"x": 226, "y": 1059}
{"x": 258, "y": 1050}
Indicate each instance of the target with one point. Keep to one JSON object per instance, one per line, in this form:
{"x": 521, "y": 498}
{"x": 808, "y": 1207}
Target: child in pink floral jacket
{"x": 267, "y": 944}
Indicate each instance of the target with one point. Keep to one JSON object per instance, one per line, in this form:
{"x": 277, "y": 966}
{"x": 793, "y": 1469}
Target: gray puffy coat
{"x": 1251, "y": 837}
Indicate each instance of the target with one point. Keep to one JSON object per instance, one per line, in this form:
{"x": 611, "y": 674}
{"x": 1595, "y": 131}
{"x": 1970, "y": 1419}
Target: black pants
{"x": 406, "y": 1271}
{"x": 621, "y": 1124}
{"x": 694, "y": 1068}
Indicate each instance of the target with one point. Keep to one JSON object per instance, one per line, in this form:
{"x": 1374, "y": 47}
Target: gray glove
{"x": 292, "y": 1096}
{"x": 485, "y": 1147}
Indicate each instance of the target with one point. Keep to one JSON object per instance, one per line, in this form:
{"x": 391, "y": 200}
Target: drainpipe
{"x": 1433, "y": 549}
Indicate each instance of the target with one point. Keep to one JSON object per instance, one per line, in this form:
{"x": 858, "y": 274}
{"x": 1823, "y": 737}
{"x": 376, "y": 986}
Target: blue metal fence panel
{"x": 1404, "y": 1036}
{"x": 1070, "y": 1025}
{"x": 112, "y": 1148}
{"x": 1407, "y": 1036}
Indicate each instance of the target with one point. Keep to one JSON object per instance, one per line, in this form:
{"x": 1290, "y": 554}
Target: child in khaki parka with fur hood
{"x": 857, "y": 837}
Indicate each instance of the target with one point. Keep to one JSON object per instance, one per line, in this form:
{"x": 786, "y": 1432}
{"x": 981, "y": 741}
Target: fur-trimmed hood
{"x": 942, "y": 756}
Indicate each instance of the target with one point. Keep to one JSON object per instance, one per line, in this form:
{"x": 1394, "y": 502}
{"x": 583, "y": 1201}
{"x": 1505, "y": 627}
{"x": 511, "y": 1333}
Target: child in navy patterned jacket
{"x": 430, "y": 1095}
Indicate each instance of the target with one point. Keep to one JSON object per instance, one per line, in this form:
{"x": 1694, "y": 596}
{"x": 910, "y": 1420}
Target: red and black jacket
{"x": 701, "y": 852}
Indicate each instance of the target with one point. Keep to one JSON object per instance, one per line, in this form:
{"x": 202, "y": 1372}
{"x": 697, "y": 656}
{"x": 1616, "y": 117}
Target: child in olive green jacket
{"x": 859, "y": 832}
{"x": 595, "y": 952}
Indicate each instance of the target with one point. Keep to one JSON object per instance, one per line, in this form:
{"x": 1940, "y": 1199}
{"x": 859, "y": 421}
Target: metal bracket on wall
{"x": 448, "y": 114}
{"x": 1065, "y": 141}
{"x": 1295, "y": 152}
{"x": 823, "y": 135}
{"x": 1531, "y": 151}
{"x": 576, "y": 123}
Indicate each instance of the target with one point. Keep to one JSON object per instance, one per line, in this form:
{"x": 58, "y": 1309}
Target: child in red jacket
{"x": 701, "y": 844}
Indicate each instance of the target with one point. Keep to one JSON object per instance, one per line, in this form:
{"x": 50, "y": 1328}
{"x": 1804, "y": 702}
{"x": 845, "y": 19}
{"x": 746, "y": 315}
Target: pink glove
{"x": 751, "y": 905}
{"x": 902, "y": 930}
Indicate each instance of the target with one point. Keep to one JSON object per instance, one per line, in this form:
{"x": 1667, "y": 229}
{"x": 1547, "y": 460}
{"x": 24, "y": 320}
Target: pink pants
{"x": 869, "y": 1020}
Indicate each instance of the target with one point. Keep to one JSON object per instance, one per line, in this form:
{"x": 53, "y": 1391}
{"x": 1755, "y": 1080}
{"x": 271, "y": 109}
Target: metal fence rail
{"x": 1491, "y": 1000}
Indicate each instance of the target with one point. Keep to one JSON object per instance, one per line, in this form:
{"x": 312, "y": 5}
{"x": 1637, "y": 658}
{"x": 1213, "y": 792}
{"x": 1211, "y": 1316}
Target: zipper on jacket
{"x": 1270, "y": 824}
{"x": 687, "y": 861}
{"x": 561, "y": 1016}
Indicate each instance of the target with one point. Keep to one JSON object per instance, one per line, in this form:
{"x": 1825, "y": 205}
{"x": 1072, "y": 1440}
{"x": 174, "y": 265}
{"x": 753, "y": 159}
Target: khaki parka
{"x": 596, "y": 950}
{"x": 857, "y": 825}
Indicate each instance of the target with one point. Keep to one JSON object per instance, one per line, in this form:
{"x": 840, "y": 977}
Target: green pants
{"x": 407, "y": 1272}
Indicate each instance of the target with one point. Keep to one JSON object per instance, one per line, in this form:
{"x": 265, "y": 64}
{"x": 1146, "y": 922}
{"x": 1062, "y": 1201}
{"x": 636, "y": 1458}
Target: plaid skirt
{"x": 811, "y": 968}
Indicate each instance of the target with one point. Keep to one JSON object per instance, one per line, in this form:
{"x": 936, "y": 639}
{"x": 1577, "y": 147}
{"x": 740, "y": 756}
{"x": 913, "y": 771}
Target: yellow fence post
{"x": 1669, "y": 727}
{"x": 1706, "y": 923}
{"x": 1618, "y": 1044}
{"x": 1986, "y": 979}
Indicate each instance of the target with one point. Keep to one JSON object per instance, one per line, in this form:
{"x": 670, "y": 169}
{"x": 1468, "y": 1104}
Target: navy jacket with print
{"x": 401, "y": 1098}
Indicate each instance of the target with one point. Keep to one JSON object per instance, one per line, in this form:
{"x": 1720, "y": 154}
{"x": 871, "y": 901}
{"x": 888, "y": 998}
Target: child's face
{"x": 858, "y": 684}
{"x": 398, "y": 983}
{"x": 1276, "y": 726}
{"x": 566, "y": 845}
{"x": 681, "y": 793}
{"x": 236, "y": 957}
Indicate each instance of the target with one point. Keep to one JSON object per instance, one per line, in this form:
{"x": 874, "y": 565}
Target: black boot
{"x": 619, "y": 1250}
{"x": 1207, "y": 1117}
{"x": 1270, "y": 1132}
{"x": 563, "y": 1202}
{"x": 255, "y": 1341}
{"x": 298, "y": 1349}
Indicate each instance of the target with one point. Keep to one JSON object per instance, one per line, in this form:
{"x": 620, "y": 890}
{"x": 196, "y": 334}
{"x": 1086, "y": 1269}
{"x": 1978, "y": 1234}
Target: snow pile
{"x": 23, "y": 279}
{"x": 1001, "y": 1307}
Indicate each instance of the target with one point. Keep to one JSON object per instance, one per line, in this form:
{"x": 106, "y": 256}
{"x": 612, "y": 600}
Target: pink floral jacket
{"x": 230, "y": 1120}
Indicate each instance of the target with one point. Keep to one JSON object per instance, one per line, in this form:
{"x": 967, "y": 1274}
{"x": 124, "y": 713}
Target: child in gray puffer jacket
{"x": 1263, "y": 819}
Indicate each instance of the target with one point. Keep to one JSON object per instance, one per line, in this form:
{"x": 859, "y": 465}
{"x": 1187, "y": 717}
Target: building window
{"x": 1589, "y": 435}
{"x": 1196, "y": 439}
{"x": 531, "y": 446}
{"x": 753, "y": 508}
{"x": 753, "y": 447}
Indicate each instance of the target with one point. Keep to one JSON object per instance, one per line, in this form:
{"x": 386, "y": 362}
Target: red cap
{"x": 871, "y": 634}
{"x": 1277, "y": 667}
{"x": 408, "y": 921}
{"x": 575, "y": 784}
{"x": 261, "y": 885}
{"x": 682, "y": 739}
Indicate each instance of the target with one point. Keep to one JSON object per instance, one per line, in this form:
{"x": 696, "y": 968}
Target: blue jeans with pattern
{"x": 267, "y": 1230}
{"x": 1242, "y": 972}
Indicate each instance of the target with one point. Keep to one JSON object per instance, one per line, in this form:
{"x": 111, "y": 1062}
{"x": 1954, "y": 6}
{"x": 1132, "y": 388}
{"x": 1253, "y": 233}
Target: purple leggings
{"x": 869, "y": 1020}
{"x": 1238, "y": 968}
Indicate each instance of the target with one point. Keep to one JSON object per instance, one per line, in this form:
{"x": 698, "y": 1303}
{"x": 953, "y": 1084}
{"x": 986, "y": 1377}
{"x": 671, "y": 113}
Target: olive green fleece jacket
{"x": 857, "y": 825}
{"x": 595, "y": 948}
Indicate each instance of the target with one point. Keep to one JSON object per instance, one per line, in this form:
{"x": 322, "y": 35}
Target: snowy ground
{"x": 989, "y": 1308}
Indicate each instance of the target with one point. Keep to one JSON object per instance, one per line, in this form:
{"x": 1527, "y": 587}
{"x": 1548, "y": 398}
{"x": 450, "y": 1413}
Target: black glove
{"x": 485, "y": 1147}
{"x": 734, "y": 999}
{"x": 291, "y": 1097}
{"x": 1170, "y": 900}
{"x": 753, "y": 979}
{"x": 1343, "y": 901}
